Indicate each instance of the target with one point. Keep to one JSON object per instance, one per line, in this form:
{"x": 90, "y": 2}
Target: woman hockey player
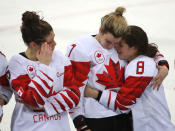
{"x": 42, "y": 80}
{"x": 149, "y": 107}
{"x": 91, "y": 55}
{"x": 5, "y": 92}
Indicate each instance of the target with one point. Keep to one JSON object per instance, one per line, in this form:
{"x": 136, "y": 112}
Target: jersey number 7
{"x": 73, "y": 46}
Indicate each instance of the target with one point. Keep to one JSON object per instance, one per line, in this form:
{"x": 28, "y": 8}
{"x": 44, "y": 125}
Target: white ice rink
{"x": 72, "y": 18}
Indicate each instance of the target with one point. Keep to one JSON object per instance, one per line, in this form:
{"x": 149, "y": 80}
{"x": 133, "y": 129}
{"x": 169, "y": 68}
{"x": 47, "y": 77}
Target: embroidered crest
{"x": 99, "y": 57}
{"x": 31, "y": 71}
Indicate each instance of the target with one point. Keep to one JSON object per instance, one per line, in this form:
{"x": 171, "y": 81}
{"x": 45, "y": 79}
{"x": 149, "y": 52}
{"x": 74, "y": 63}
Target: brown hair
{"x": 34, "y": 28}
{"x": 114, "y": 23}
{"x": 137, "y": 37}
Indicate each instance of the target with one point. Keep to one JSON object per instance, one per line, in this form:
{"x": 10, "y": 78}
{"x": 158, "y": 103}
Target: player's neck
{"x": 132, "y": 58}
{"x": 31, "y": 54}
{"x": 97, "y": 37}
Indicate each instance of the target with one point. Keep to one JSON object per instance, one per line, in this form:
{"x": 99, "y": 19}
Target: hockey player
{"x": 41, "y": 79}
{"x": 91, "y": 55}
{"x": 5, "y": 92}
{"x": 149, "y": 107}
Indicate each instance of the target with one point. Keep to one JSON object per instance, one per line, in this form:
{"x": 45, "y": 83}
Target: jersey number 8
{"x": 140, "y": 67}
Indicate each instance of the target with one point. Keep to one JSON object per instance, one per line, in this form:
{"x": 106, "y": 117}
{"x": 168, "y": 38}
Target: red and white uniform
{"x": 149, "y": 107}
{"x": 89, "y": 58}
{"x": 5, "y": 91}
{"x": 103, "y": 70}
{"x": 38, "y": 85}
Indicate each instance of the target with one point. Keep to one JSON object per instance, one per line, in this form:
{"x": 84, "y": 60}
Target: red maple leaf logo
{"x": 98, "y": 55}
{"x": 114, "y": 77}
{"x": 30, "y": 69}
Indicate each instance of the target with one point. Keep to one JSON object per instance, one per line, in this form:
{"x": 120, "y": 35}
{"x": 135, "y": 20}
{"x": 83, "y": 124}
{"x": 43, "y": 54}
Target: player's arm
{"x": 132, "y": 89}
{"x": 38, "y": 91}
{"x": 81, "y": 68}
{"x": 163, "y": 69}
{"x": 5, "y": 92}
{"x": 65, "y": 99}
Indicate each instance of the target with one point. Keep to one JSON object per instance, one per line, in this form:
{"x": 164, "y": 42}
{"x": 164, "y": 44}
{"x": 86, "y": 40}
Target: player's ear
{"x": 135, "y": 50}
{"x": 32, "y": 44}
{"x": 100, "y": 30}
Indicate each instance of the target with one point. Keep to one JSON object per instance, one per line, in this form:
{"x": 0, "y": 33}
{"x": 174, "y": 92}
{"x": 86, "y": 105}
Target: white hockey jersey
{"x": 149, "y": 107}
{"x": 38, "y": 85}
{"x": 103, "y": 70}
{"x": 89, "y": 58}
{"x": 5, "y": 91}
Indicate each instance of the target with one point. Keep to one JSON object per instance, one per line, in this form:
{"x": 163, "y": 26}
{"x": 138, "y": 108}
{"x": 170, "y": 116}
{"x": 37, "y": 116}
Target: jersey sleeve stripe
{"x": 73, "y": 97}
{"x": 68, "y": 102}
{"x": 44, "y": 82}
{"x": 54, "y": 107}
{"x": 39, "y": 88}
{"x": 43, "y": 77}
{"x": 61, "y": 105}
{"x": 46, "y": 75}
{"x": 41, "y": 84}
{"x": 75, "y": 90}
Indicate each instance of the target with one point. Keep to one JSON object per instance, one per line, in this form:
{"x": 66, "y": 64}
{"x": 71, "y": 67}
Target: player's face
{"x": 117, "y": 43}
{"x": 125, "y": 52}
{"x": 50, "y": 40}
{"x": 107, "y": 40}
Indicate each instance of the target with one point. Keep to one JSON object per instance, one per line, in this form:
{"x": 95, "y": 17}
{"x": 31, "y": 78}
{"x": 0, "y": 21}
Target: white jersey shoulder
{"x": 60, "y": 58}
{"x": 81, "y": 48}
{"x": 141, "y": 66}
{"x": 18, "y": 64}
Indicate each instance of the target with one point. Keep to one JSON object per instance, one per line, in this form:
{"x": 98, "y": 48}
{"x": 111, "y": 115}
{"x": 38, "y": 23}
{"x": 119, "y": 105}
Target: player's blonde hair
{"x": 114, "y": 23}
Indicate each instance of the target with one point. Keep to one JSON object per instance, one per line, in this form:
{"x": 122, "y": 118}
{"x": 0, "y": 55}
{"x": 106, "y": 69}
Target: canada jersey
{"x": 149, "y": 108}
{"x": 5, "y": 92}
{"x": 94, "y": 59}
{"x": 41, "y": 81}
{"x": 150, "y": 112}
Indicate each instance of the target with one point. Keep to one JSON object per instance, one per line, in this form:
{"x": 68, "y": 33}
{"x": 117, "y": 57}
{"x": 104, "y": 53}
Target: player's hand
{"x": 158, "y": 79}
{"x": 44, "y": 54}
{"x": 90, "y": 92}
